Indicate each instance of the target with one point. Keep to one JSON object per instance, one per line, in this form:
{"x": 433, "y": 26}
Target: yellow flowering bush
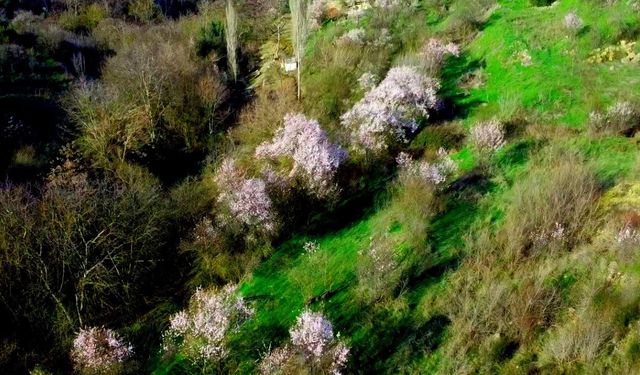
{"x": 624, "y": 52}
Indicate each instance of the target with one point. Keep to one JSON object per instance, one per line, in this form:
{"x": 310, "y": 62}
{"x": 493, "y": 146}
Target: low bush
{"x": 552, "y": 207}
{"x": 622, "y": 118}
{"x": 155, "y": 96}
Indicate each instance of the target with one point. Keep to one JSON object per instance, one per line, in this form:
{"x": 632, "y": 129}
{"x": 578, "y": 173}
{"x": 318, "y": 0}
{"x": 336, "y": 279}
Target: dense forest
{"x": 319, "y": 187}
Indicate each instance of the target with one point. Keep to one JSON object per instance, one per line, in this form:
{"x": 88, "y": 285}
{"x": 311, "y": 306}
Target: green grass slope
{"x": 524, "y": 68}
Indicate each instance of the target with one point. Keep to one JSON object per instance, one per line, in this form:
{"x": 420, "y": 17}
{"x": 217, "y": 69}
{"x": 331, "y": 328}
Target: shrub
{"x": 154, "y": 95}
{"x": 378, "y": 270}
{"x": 541, "y": 3}
{"x": 353, "y": 36}
{"x": 143, "y": 10}
{"x": 262, "y": 118}
{"x": 603, "y": 306}
{"x": 573, "y": 23}
{"x": 488, "y": 136}
{"x": 211, "y": 39}
{"x": 79, "y": 252}
{"x": 221, "y": 254}
{"x": 399, "y": 249}
{"x": 466, "y": 17}
{"x": 99, "y": 350}
{"x": 85, "y": 21}
{"x": 434, "y": 54}
{"x": 308, "y": 145}
{"x": 552, "y": 206}
{"x": 435, "y": 173}
{"x": 620, "y": 118}
{"x": 389, "y": 113}
{"x": 628, "y": 238}
{"x": 625, "y": 52}
{"x": 367, "y": 81}
{"x": 492, "y": 313}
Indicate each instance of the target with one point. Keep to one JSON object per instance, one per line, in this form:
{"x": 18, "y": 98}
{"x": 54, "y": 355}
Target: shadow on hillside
{"x": 457, "y": 99}
{"x": 394, "y": 341}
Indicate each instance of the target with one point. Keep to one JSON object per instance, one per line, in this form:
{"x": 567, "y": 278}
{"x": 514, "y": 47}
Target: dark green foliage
{"x": 541, "y": 3}
{"x": 94, "y": 248}
{"x": 211, "y": 39}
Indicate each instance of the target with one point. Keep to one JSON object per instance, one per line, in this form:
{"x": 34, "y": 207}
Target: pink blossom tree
{"x": 246, "y": 198}
{"x": 98, "y": 350}
{"x": 390, "y": 111}
{"x": 435, "y": 172}
{"x": 313, "y": 344}
{"x": 314, "y": 157}
{"x": 199, "y": 332}
{"x": 434, "y": 54}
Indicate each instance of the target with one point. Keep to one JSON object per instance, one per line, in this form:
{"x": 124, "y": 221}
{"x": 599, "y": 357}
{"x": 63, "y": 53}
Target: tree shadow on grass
{"x": 394, "y": 342}
{"x": 457, "y": 101}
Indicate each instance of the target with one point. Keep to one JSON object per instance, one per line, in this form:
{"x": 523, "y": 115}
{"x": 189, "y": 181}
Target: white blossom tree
{"x": 199, "y": 332}
{"x": 389, "y": 112}
{"x": 314, "y": 156}
{"x": 313, "y": 346}
{"x": 99, "y": 350}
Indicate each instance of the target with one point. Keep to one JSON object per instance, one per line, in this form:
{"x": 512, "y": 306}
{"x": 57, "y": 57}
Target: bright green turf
{"x": 558, "y": 88}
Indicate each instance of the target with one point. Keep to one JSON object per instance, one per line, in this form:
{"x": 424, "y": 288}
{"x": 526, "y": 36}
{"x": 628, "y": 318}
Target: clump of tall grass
{"x": 603, "y": 305}
{"x": 552, "y": 207}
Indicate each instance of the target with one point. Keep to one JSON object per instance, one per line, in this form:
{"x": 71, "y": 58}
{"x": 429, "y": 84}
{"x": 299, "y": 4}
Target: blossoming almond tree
{"x": 312, "y": 341}
{"x": 314, "y": 156}
{"x": 390, "y": 111}
{"x": 246, "y": 198}
{"x": 99, "y": 350}
{"x": 199, "y": 332}
{"x": 434, "y": 54}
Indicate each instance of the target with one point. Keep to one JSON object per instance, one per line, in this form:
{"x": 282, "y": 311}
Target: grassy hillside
{"x": 456, "y": 191}
{"x": 550, "y": 99}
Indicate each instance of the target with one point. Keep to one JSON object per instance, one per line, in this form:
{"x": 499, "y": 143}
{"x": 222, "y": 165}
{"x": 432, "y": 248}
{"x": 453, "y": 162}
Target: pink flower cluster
{"x": 246, "y": 198}
{"x": 434, "y": 53}
{"x": 312, "y": 333}
{"x": 628, "y": 235}
{"x": 310, "y": 247}
{"x": 312, "y": 338}
{"x": 382, "y": 259}
{"x": 98, "y": 349}
{"x": 276, "y": 360}
{"x": 390, "y": 111}
{"x": 199, "y": 331}
{"x": 436, "y": 172}
{"x": 303, "y": 140}
{"x": 573, "y": 22}
{"x": 316, "y": 13}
